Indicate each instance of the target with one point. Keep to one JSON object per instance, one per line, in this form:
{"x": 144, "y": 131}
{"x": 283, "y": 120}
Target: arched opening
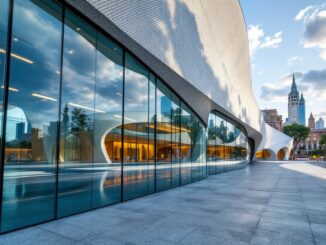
{"x": 281, "y": 154}
{"x": 265, "y": 154}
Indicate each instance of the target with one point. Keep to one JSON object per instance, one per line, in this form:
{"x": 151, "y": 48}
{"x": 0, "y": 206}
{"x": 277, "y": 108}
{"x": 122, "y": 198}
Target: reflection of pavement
{"x": 266, "y": 203}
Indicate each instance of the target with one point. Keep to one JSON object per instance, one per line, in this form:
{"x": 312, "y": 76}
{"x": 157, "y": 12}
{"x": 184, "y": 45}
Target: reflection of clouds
{"x": 108, "y": 84}
{"x": 136, "y": 90}
{"x": 42, "y": 23}
{"x": 38, "y": 37}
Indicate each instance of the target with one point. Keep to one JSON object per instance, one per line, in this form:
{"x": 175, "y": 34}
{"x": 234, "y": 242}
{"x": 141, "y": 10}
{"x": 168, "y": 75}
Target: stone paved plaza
{"x": 265, "y": 203}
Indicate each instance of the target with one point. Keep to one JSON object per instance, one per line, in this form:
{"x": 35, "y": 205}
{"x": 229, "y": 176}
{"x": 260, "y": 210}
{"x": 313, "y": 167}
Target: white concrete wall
{"x": 205, "y": 42}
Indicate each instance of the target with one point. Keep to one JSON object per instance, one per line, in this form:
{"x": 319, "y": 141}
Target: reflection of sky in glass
{"x": 109, "y": 73}
{"x": 36, "y": 36}
{"x": 14, "y": 116}
{"x": 136, "y": 88}
{"x": 3, "y": 37}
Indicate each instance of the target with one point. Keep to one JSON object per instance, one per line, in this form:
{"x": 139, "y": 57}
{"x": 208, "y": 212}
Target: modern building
{"x": 296, "y": 106}
{"x": 320, "y": 124}
{"x": 272, "y": 118}
{"x": 123, "y": 99}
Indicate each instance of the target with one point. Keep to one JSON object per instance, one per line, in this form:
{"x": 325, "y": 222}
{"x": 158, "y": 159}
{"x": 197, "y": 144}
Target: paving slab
{"x": 281, "y": 202}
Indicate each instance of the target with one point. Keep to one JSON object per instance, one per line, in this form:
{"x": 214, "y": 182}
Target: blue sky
{"x": 287, "y": 36}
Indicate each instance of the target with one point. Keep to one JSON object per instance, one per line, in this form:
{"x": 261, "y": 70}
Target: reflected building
{"x": 20, "y": 131}
{"x": 97, "y": 113}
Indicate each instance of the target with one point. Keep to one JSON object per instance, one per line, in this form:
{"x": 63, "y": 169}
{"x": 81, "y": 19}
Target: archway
{"x": 266, "y": 154}
{"x": 282, "y": 154}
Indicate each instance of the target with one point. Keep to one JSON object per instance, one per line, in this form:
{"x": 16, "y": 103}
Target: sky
{"x": 286, "y": 37}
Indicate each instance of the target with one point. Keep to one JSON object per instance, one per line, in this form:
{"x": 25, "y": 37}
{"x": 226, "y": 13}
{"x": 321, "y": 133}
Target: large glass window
{"x": 118, "y": 122}
{"x": 77, "y": 116}
{"x": 231, "y": 146}
{"x": 137, "y": 151}
{"x": 163, "y": 137}
{"x": 198, "y": 150}
{"x": 175, "y": 145}
{"x": 108, "y": 120}
{"x": 4, "y": 12}
{"x": 32, "y": 116}
{"x": 211, "y": 144}
{"x": 186, "y": 131}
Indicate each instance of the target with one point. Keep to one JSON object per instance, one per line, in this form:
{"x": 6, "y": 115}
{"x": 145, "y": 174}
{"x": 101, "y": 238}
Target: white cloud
{"x": 314, "y": 25}
{"x": 258, "y": 40}
{"x": 311, "y": 83}
{"x": 293, "y": 60}
{"x": 303, "y": 12}
{"x": 254, "y": 34}
{"x": 272, "y": 42}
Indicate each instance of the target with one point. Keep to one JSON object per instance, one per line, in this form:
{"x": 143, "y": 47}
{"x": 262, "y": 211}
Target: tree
{"x": 322, "y": 142}
{"x": 298, "y": 133}
{"x": 79, "y": 121}
{"x": 65, "y": 120}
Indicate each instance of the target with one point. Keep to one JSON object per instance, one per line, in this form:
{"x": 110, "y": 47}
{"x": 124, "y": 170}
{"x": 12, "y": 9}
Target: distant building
{"x": 296, "y": 106}
{"x": 320, "y": 124}
{"x": 311, "y": 122}
{"x": 273, "y": 119}
{"x": 302, "y": 111}
{"x": 312, "y": 142}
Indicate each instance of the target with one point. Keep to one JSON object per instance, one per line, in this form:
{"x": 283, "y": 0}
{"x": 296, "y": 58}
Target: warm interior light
{"x": 167, "y": 127}
{"x": 11, "y": 89}
{"x": 85, "y": 107}
{"x": 18, "y": 57}
{"x": 44, "y": 97}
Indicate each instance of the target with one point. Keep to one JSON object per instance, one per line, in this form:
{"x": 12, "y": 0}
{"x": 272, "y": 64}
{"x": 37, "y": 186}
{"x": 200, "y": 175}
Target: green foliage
{"x": 322, "y": 140}
{"x": 79, "y": 120}
{"x": 297, "y": 132}
{"x": 322, "y": 143}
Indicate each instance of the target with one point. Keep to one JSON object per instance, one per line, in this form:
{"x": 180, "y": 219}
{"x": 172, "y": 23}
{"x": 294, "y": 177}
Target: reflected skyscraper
{"x": 20, "y": 130}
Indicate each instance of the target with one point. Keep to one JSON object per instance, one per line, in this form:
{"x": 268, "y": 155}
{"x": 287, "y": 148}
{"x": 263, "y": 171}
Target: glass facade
{"x": 88, "y": 125}
{"x": 227, "y": 144}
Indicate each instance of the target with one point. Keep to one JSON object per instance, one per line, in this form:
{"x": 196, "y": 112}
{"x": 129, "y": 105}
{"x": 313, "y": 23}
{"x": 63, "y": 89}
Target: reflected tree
{"x": 80, "y": 121}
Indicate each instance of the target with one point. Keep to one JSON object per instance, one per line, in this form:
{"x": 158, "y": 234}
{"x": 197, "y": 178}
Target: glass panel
{"x": 108, "y": 121}
{"x": 175, "y": 129}
{"x": 230, "y": 145}
{"x": 221, "y": 137}
{"x": 4, "y": 9}
{"x": 203, "y": 162}
{"x": 195, "y": 149}
{"x": 211, "y": 137}
{"x": 186, "y": 128}
{"x": 30, "y": 153}
{"x": 136, "y": 171}
{"x": 163, "y": 137}
{"x": 151, "y": 133}
{"x": 77, "y": 116}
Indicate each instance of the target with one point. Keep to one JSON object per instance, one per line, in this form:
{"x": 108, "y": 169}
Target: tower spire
{"x": 294, "y": 85}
